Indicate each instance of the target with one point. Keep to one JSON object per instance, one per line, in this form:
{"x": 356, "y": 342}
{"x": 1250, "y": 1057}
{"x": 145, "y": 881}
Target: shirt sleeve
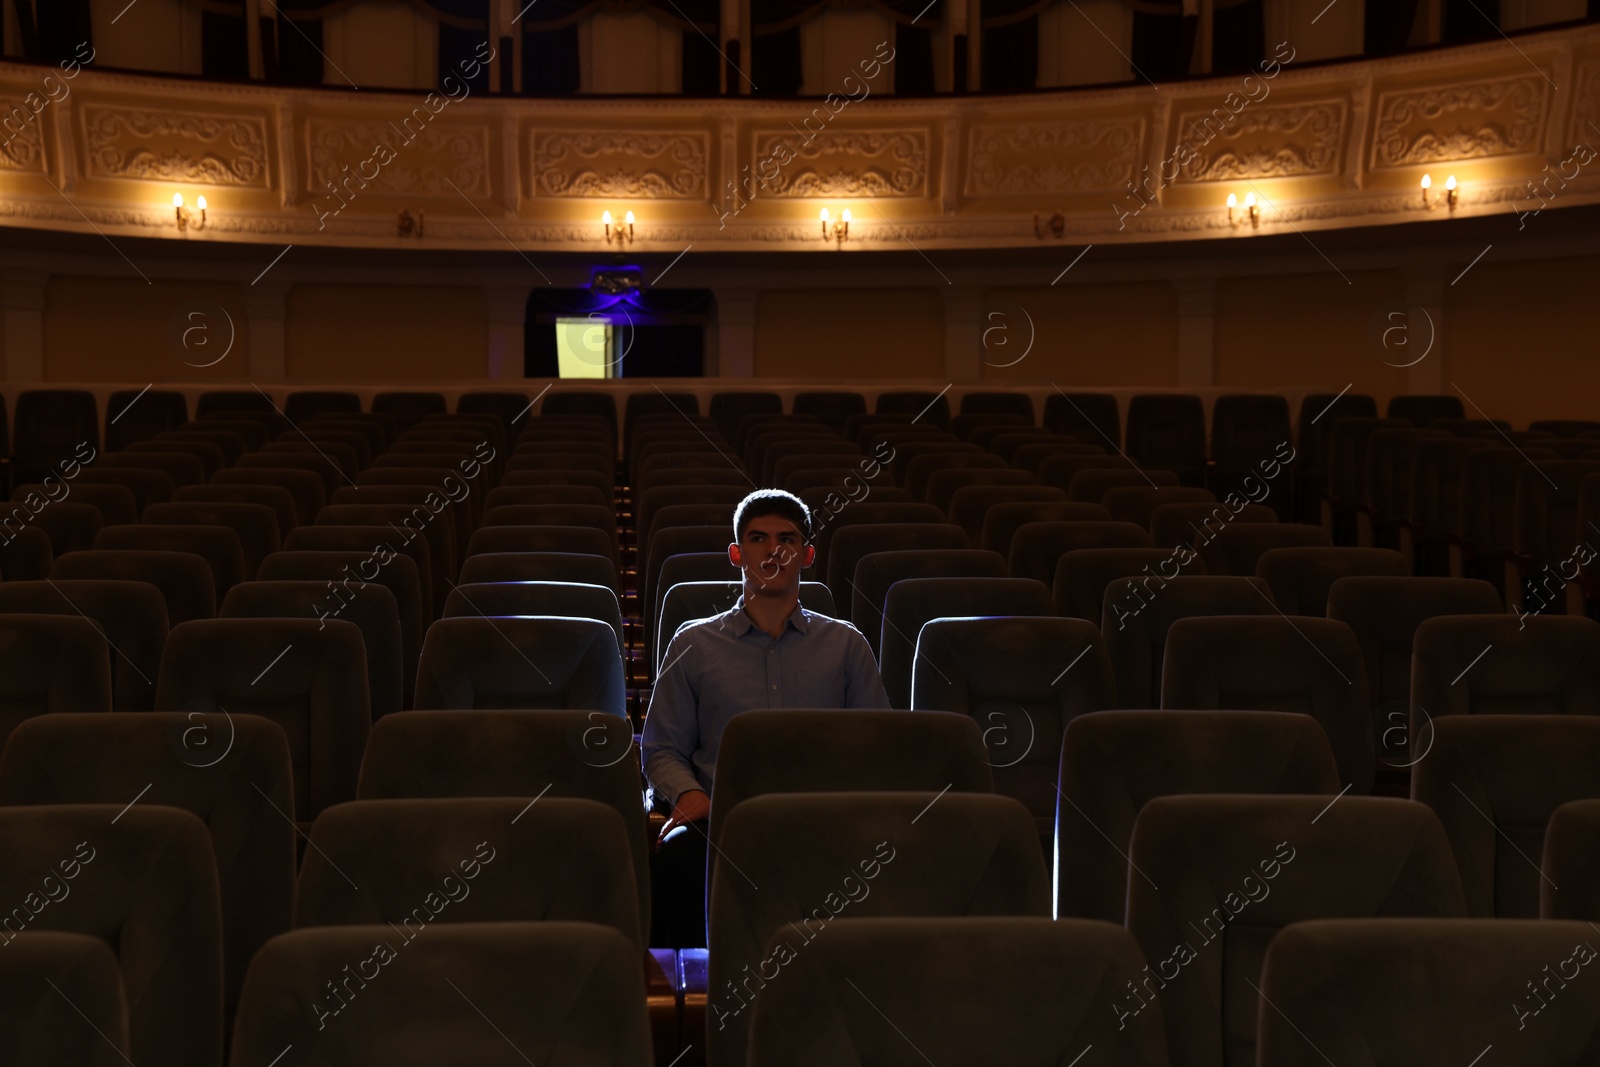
{"x": 863, "y": 682}
{"x": 671, "y": 726}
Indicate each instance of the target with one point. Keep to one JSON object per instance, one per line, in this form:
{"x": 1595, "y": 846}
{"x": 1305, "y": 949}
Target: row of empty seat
{"x": 496, "y": 846}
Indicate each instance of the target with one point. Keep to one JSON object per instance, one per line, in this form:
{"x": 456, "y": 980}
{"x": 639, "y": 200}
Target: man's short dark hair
{"x": 764, "y": 502}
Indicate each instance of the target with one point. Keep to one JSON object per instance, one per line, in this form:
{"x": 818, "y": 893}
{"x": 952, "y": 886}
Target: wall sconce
{"x": 1252, "y": 211}
{"x": 186, "y": 218}
{"x": 1429, "y": 201}
{"x": 1058, "y": 226}
{"x": 836, "y": 231}
{"x": 618, "y": 234}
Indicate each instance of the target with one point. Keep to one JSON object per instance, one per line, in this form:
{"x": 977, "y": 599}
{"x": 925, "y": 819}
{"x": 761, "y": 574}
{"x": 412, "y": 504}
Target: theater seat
{"x": 1135, "y": 621}
{"x": 63, "y": 1002}
{"x": 1083, "y": 575}
{"x": 116, "y": 503}
{"x": 26, "y": 556}
{"x": 482, "y": 993}
{"x": 1384, "y": 614}
{"x": 142, "y": 879}
{"x": 375, "y": 550}
{"x": 1113, "y": 763}
{"x": 1276, "y": 663}
{"x": 255, "y": 525}
{"x": 1197, "y": 525}
{"x": 1092, "y": 483}
{"x": 1502, "y": 665}
{"x": 1569, "y": 882}
{"x": 130, "y": 616}
{"x": 1495, "y": 781}
{"x": 1234, "y": 870}
{"x": 1021, "y": 680}
{"x": 304, "y": 486}
{"x": 1390, "y": 990}
{"x": 1237, "y": 547}
{"x": 1137, "y": 503}
{"x": 787, "y": 750}
{"x": 583, "y": 540}
{"x": 877, "y": 572}
{"x": 185, "y": 579}
{"x": 70, "y": 528}
{"x": 219, "y": 546}
{"x": 913, "y": 602}
{"x": 520, "y": 663}
{"x": 1002, "y": 521}
{"x": 571, "y": 599}
{"x": 817, "y": 856}
{"x": 851, "y": 543}
{"x": 539, "y": 567}
{"x": 51, "y": 663}
{"x": 340, "y": 575}
{"x": 510, "y": 859}
{"x": 1090, "y": 417}
{"x": 371, "y": 606}
{"x": 307, "y": 676}
{"x": 1037, "y": 547}
{"x": 273, "y": 497}
{"x": 1301, "y": 577}
{"x": 588, "y": 755}
{"x": 223, "y": 769}
{"x": 1041, "y": 997}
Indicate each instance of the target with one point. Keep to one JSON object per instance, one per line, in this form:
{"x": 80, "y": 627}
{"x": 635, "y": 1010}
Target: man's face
{"x": 771, "y": 555}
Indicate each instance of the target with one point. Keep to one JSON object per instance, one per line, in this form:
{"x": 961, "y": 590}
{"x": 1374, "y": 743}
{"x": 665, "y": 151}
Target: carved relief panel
{"x": 1024, "y": 158}
{"x": 175, "y": 146}
{"x": 1261, "y": 141}
{"x": 400, "y": 158}
{"x": 1475, "y": 120}
{"x": 626, "y": 163}
{"x": 21, "y": 140}
{"x": 870, "y": 163}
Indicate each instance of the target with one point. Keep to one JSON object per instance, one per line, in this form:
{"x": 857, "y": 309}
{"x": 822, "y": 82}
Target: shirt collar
{"x": 741, "y": 624}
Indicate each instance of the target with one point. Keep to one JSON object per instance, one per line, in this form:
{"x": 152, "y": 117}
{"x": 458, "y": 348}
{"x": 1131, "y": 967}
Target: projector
{"x": 623, "y": 280}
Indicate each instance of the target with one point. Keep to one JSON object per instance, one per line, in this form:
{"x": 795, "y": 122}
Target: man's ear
{"x": 809, "y": 557}
{"x": 734, "y": 555}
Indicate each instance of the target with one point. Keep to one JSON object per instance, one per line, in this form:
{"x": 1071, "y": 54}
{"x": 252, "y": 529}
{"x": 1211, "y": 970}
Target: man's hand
{"x": 692, "y": 806}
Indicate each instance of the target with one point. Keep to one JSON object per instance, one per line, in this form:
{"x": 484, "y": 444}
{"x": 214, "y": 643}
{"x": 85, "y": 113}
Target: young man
{"x": 764, "y": 652}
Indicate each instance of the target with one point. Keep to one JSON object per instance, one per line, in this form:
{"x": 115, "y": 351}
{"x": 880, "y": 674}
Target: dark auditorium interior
{"x": 1121, "y": 477}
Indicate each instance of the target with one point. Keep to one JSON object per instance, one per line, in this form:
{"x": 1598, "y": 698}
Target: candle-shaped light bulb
{"x": 605, "y": 218}
{"x": 1250, "y": 200}
{"x": 1427, "y": 182}
{"x": 1450, "y": 183}
{"x": 846, "y": 215}
{"x": 202, "y": 203}
{"x": 177, "y": 199}
{"x": 1233, "y": 200}
{"x": 628, "y": 218}
{"x": 824, "y": 214}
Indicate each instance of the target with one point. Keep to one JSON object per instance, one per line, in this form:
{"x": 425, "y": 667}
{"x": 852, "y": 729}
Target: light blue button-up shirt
{"x": 725, "y": 665}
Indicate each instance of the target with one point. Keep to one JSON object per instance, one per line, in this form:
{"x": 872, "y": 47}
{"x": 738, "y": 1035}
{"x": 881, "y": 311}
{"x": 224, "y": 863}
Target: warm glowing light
{"x": 1427, "y": 182}
{"x": 177, "y": 199}
{"x": 605, "y": 218}
{"x": 824, "y": 214}
{"x": 202, "y": 203}
{"x": 1450, "y": 183}
{"x": 1233, "y": 200}
{"x": 628, "y": 218}
{"x": 846, "y": 214}
{"x": 1250, "y": 200}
